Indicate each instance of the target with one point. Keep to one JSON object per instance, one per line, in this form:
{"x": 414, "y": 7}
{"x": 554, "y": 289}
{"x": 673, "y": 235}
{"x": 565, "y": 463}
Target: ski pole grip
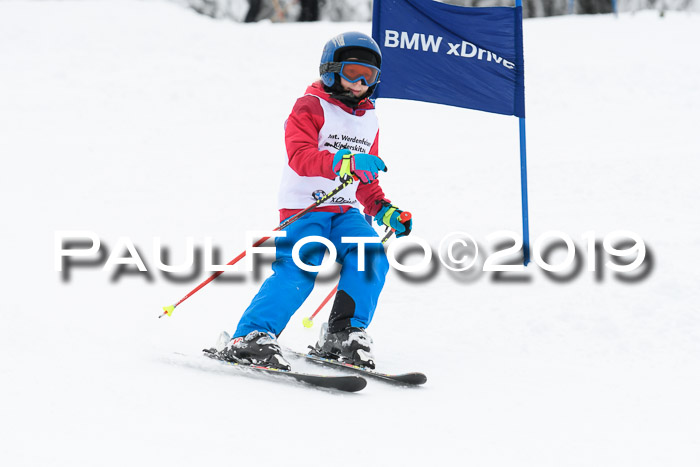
{"x": 405, "y": 217}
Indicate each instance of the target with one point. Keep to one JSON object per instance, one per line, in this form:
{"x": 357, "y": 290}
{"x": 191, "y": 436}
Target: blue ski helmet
{"x": 335, "y": 47}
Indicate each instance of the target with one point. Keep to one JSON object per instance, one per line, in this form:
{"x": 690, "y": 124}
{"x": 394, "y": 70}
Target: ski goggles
{"x": 353, "y": 72}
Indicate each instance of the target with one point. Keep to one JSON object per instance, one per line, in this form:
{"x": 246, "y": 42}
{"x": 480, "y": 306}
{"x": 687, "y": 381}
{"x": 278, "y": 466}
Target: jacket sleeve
{"x": 301, "y": 139}
{"x": 370, "y": 195}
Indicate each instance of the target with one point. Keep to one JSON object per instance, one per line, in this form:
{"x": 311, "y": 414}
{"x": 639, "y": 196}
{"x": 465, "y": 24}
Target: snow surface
{"x": 142, "y": 119}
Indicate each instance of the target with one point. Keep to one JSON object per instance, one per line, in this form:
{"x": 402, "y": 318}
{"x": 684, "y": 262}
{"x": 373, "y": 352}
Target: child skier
{"x": 331, "y": 134}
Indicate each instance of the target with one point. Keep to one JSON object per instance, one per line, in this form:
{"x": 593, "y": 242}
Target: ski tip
{"x": 357, "y": 383}
{"x": 168, "y": 310}
{"x": 415, "y": 378}
{"x": 307, "y": 322}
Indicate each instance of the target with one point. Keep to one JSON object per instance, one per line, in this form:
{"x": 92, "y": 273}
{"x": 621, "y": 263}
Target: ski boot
{"x": 257, "y": 348}
{"x": 351, "y": 345}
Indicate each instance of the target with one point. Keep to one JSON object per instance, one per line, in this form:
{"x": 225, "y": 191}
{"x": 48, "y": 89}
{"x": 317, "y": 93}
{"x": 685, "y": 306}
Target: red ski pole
{"x": 168, "y": 310}
{"x": 308, "y": 322}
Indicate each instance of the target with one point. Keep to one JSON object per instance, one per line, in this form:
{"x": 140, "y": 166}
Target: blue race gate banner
{"x": 465, "y": 57}
{"x": 447, "y": 54}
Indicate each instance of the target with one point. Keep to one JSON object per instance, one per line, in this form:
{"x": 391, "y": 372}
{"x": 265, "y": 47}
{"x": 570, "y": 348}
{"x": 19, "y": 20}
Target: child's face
{"x": 356, "y": 88}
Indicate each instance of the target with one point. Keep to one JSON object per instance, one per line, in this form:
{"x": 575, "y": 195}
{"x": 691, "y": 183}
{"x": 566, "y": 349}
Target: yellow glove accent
{"x": 387, "y": 216}
{"x": 346, "y": 167}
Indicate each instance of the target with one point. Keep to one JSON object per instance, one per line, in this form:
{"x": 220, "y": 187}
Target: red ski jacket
{"x": 310, "y": 151}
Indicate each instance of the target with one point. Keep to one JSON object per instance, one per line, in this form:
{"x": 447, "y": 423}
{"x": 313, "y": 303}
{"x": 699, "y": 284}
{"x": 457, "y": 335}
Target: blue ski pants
{"x": 288, "y": 287}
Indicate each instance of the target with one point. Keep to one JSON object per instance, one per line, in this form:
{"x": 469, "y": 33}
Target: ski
{"x": 340, "y": 383}
{"x": 407, "y": 379}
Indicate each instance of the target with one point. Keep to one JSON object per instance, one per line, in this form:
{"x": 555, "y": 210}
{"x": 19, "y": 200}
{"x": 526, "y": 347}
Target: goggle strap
{"x": 331, "y": 67}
